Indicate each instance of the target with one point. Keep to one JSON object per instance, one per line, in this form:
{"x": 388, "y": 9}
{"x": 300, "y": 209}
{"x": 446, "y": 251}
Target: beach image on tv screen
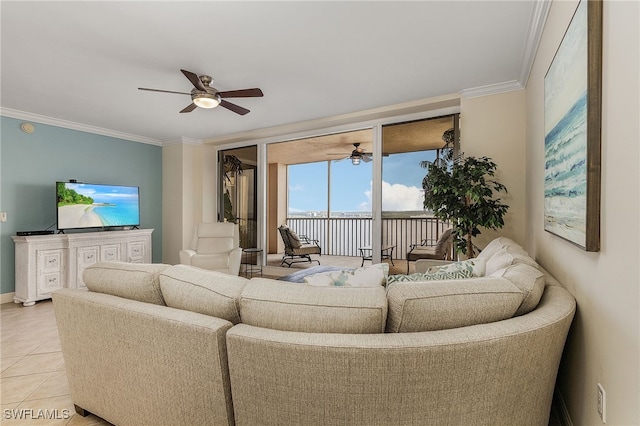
{"x": 83, "y": 205}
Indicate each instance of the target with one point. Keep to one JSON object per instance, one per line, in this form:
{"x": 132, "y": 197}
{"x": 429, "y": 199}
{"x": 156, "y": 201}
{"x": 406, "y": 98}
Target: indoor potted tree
{"x": 462, "y": 191}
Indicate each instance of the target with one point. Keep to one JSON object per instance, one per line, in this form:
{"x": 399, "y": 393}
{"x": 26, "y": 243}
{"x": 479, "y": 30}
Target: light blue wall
{"x": 32, "y": 163}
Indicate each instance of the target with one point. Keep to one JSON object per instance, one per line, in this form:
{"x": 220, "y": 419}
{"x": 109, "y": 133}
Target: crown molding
{"x": 182, "y": 141}
{"x": 537, "y": 20}
{"x": 492, "y": 89}
{"x": 21, "y": 115}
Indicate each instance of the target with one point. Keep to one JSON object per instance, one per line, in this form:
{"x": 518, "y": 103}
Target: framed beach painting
{"x": 572, "y": 120}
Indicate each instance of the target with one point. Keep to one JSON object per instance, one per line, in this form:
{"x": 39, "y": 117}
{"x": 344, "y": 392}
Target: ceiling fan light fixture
{"x": 355, "y": 160}
{"x": 206, "y": 100}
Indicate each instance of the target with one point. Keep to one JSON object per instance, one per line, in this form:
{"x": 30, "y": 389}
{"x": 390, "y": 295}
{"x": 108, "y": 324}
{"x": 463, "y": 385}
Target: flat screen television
{"x": 89, "y": 205}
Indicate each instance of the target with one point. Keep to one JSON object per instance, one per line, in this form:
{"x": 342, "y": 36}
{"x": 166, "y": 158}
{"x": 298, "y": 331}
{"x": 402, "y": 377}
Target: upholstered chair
{"x": 216, "y": 247}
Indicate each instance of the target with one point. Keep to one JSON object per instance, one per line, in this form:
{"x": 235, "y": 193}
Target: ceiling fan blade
{"x": 194, "y": 79}
{"x": 242, "y": 93}
{"x": 233, "y": 107}
{"x": 163, "y": 91}
{"x": 189, "y": 108}
{"x": 366, "y": 158}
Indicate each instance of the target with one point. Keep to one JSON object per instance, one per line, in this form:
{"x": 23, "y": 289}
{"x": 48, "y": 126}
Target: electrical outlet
{"x": 602, "y": 403}
{"x": 3, "y": 216}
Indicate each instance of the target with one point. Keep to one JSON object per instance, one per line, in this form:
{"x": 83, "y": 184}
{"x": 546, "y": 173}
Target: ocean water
{"x": 118, "y": 214}
{"x": 565, "y": 180}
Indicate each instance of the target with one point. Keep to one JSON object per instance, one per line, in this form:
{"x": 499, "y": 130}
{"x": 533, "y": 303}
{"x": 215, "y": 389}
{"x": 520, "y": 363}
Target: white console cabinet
{"x": 45, "y": 263}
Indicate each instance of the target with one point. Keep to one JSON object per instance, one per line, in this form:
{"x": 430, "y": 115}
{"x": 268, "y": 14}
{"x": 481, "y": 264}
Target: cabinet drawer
{"x": 110, "y": 253}
{"x": 136, "y": 252}
{"x": 49, "y": 260}
{"x": 49, "y": 282}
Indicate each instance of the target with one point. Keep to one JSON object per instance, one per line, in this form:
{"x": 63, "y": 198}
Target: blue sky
{"x": 351, "y": 185}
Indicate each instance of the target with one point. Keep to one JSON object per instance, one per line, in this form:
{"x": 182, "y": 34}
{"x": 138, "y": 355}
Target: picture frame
{"x": 572, "y": 141}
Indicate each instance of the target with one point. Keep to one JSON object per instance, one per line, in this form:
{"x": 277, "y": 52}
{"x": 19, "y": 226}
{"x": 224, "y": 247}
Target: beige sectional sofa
{"x": 159, "y": 344}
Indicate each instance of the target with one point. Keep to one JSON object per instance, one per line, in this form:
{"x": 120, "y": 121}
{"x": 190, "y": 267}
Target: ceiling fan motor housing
{"x": 207, "y": 99}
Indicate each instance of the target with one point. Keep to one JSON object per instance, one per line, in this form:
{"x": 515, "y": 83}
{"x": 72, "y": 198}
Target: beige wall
{"x": 182, "y": 196}
{"x": 495, "y": 126}
{"x": 276, "y": 206}
{"x": 603, "y": 345}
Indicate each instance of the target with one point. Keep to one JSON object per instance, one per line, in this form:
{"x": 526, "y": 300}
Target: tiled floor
{"x": 33, "y": 381}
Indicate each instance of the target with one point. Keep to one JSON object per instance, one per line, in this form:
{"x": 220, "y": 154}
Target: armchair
{"x": 297, "y": 248}
{"x": 216, "y": 247}
{"x": 441, "y": 251}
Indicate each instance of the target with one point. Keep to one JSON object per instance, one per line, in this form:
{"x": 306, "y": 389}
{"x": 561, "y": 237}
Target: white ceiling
{"x": 82, "y": 62}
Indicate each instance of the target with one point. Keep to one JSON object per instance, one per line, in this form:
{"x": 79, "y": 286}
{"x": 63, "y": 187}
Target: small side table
{"x": 386, "y": 252}
{"x": 251, "y": 262}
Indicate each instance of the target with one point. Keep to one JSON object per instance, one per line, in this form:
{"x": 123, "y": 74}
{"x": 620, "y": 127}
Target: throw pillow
{"x": 452, "y": 275}
{"x": 475, "y": 266}
{"x": 367, "y": 276}
{"x": 508, "y": 256}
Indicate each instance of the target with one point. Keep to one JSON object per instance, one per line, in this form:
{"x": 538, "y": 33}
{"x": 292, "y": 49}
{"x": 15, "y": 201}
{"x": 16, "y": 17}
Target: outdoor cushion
{"x": 134, "y": 281}
{"x": 288, "y": 306}
{"x": 206, "y": 292}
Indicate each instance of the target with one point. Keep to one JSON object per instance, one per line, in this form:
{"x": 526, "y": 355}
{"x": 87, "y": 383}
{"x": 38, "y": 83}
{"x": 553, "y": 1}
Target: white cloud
{"x": 396, "y": 197}
{"x": 297, "y": 187}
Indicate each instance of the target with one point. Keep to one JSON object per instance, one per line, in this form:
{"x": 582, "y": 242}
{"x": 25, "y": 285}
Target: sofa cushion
{"x": 288, "y": 306}
{"x": 529, "y": 280}
{"x": 475, "y": 266}
{"x": 136, "y": 281}
{"x": 367, "y": 276}
{"x": 211, "y": 261}
{"x": 435, "y": 276}
{"x": 207, "y": 292}
{"x": 506, "y": 257}
{"x": 439, "y": 305}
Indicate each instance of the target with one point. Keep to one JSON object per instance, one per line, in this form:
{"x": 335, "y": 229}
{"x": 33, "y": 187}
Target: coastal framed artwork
{"x": 572, "y": 120}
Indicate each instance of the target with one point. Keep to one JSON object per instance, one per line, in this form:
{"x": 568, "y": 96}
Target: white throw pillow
{"x": 476, "y": 266}
{"x": 367, "y": 276}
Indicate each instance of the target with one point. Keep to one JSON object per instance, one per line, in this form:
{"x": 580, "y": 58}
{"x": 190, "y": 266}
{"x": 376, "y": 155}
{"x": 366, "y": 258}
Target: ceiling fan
{"x": 205, "y": 96}
{"x": 358, "y": 155}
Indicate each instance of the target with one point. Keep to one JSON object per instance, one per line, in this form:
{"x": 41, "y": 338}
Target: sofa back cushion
{"x": 136, "y": 281}
{"x": 529, "y": 280}
{"x": 439, "y": 305}
{"x": 288, "y": 306}
{"x": 207, "y": 292}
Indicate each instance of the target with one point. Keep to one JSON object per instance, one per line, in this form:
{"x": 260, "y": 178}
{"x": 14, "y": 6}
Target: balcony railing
{"x": 344, "y": 236}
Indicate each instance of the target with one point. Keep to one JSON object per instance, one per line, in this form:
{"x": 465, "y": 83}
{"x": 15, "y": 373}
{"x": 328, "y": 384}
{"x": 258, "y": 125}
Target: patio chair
{"x": 440, "y": 251}
{"x": 297, "y": 248}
